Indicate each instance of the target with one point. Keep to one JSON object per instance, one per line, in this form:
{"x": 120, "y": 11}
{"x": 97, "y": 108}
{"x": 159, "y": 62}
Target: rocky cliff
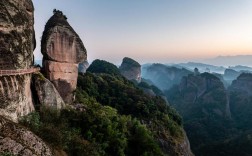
{"x": 15, "y": 96}
{"x": 62, "y": 50}
{"x": 208, "y": 91}
{"x": 17, "y": 42}
{"x": 203, "y": 102}
{"x": 20, "y": 141}
{"x": 17, "y": 37}
{"x": 131, "y": 69}
{"x": 240, "y": 100}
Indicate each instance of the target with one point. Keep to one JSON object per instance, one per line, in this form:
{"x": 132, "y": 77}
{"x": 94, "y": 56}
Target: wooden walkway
{"x": 18, "y": 71}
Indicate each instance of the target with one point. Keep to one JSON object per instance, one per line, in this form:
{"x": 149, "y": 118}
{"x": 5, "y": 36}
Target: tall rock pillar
{"x": 62, "y": 50}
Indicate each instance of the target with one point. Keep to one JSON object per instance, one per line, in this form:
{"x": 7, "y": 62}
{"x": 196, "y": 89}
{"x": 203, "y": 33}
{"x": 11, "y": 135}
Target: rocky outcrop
{"x": 181, "y": 148}
{"x": 17, "y": 42}
{"x": 46, "y": 93}
{"x": 62, "y": 50}
{"x": 240, "y": 100}
{"x": 83, "y": 66}
{"x": 131, "y": 69}
{"x": 17, "y": 140}
{"x": 242, "y": 84}
{"x": 203, "y": 102}
{"x": 207, "y": 90}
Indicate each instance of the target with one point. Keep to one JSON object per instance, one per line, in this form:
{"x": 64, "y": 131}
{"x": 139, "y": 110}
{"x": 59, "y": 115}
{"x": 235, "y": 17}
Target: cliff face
{"x": 203, "y": 102}
{"x": 240, "y": 100}
{"x": 131, "y": 69}
{"x": 17, "y": 42}
{"x": 62, "y": 50}
{"x": 15, "y": 96}
{"x": 242, "y": 84}
{"x": 20, "y": 141}
{"x": 17, "y": 39}
{"x": 206, "y": 90}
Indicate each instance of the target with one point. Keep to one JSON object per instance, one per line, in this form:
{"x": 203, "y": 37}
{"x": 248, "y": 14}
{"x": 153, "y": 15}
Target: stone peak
{"x": 130, "y": 61}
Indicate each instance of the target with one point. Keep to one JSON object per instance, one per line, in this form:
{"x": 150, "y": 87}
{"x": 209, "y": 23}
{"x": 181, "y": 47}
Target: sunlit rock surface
{"x": 62, "y": 50}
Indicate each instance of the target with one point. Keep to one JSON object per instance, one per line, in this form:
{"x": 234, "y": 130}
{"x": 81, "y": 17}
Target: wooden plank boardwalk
{"x": 18, "y": 71}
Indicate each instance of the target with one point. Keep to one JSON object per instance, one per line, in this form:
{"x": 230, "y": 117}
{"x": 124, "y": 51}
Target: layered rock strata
{"x": 62, "y": 50}
{"x": 17, "y": 42}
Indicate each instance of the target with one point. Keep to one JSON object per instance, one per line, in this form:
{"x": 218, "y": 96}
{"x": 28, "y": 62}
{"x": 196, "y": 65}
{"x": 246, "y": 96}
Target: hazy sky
{"x": 154, "y": 30}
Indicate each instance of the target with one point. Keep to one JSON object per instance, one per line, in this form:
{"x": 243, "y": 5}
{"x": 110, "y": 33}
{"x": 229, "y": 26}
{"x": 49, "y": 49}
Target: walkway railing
{"x": 18, "y": 71}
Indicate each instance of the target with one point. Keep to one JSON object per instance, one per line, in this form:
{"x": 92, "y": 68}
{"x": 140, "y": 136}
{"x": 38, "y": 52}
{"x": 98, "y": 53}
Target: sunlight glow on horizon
{"x": 155, "y": 31}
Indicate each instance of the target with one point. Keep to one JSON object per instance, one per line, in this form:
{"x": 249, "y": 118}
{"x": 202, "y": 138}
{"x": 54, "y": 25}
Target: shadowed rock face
{"x": 17, "y": 39}
{"x": 46, "y": 93}
{"x": 131, "y": 69}
{"x": 62, "y": 50}
{"x": 17, "y": 42}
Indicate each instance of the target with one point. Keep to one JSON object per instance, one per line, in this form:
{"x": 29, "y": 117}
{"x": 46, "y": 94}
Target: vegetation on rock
{"x": 101, "y": 66}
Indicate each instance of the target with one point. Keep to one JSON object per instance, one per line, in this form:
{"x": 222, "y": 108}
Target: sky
{"x": 165, "y": 31}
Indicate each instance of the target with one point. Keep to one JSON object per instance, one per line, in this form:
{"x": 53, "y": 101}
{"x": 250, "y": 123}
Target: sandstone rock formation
{"x": 17, "y": 42}
{"x": 17, "y": 140}
{"x": 62, "y": 50}
{"x": 46, "y": 93}
{"x": 131, "y": 69}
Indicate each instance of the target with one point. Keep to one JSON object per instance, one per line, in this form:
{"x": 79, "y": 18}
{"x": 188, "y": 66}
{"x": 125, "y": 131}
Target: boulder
{"x": 62, "y": 50}
{"x": 46, "y": 93}
{"x": 17, "y": 140}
